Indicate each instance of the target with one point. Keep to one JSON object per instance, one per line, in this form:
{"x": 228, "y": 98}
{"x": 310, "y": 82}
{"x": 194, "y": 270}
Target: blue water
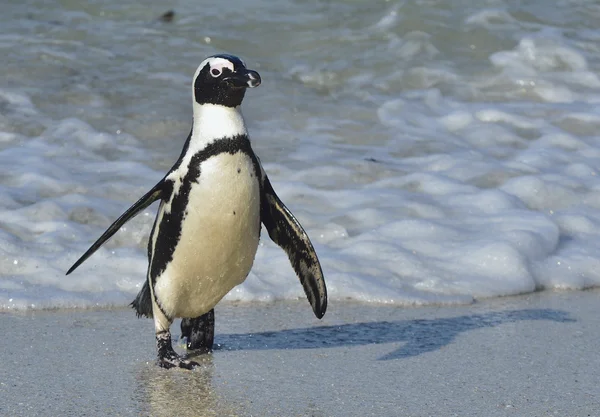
{"x": 436, "y": 152}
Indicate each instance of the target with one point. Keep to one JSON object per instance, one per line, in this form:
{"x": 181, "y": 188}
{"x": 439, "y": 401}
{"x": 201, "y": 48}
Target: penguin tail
{"x": 143, "y": 303}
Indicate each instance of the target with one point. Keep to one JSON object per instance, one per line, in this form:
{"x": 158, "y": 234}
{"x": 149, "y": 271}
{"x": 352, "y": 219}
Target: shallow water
{"x": 436, "y": 152}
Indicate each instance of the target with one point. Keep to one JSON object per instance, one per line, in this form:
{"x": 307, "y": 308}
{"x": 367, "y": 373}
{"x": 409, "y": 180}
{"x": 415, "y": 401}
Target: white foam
{"x": 493, "y": 19}
{"x": 389, "y": 19}
{"x": 431, "y": 160}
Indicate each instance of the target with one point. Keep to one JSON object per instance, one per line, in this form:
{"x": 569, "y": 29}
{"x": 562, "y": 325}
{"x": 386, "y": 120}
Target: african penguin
{"x": 212, "y": 204}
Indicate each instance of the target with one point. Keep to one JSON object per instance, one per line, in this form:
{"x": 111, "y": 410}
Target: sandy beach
{"x": 533, "y": 355}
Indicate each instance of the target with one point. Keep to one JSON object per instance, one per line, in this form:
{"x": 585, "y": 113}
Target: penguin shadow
{"x": 178, "y": 392}
{"x": 419, "y": 336}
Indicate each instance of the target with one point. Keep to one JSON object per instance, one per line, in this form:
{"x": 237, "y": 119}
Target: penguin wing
{"x": 285, "y": 230}
{"x": 150, "y": 197}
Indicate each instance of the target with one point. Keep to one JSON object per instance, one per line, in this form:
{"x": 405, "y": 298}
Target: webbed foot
{"x": 167, "y": 357}
{"x": 176, "y": 362}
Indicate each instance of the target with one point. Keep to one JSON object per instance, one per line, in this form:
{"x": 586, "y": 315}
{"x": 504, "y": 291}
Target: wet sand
{"x": 533, "y": 355}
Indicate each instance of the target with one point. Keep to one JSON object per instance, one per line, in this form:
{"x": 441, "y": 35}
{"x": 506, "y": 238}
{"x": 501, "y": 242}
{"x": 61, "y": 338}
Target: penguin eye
{"x": 215, "y": 72}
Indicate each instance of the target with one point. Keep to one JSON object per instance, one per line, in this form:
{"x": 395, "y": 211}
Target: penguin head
{"x": 222, "y": 80}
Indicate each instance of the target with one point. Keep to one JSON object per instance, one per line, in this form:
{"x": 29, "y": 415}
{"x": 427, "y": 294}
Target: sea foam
{"x": 433, "y": 157}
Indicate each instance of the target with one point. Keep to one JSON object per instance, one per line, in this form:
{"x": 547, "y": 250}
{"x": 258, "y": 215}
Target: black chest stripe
{"x": 170, "y": 227}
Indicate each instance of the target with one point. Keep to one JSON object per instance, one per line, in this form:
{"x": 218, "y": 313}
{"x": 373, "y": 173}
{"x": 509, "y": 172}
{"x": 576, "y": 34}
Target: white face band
{"x": 217, "y": 64}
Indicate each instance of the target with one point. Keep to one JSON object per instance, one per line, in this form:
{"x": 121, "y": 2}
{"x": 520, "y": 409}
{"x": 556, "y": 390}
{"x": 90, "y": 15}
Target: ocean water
{"x": 436, "y": 152}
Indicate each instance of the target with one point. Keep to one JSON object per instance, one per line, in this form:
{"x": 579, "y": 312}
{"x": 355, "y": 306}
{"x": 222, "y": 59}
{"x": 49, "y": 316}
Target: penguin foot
{"x": 176, "y": 362}
{"x": 167, "y": 357}
{"x": 199, "y": 332}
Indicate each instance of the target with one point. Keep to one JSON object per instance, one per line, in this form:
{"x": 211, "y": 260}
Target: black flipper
{"x": 287, "y": 232}
{"x": 150, "y": 197}
{"x": 199, "y": 332}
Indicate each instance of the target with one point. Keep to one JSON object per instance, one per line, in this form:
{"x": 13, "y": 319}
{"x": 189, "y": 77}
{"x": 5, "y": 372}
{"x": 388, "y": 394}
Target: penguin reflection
{"x": 182, "y": 394}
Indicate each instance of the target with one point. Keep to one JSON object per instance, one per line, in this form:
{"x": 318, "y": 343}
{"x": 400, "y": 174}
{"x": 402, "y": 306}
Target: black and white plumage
{"x": 207, "y": 229}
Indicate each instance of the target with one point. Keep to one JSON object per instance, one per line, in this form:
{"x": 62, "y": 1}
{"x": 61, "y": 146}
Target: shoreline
{"x": 346, "y": 302}
{"x": 527, "y": 355}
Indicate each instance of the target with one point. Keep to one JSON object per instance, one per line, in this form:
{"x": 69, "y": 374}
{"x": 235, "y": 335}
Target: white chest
{"x": 219, "y": 237}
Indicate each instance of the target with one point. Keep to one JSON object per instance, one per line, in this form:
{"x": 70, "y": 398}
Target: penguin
{"x": 207, "y": 229}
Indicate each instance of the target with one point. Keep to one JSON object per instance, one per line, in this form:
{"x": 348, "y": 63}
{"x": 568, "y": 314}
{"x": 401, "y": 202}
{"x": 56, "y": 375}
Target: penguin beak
{"x": 244, "y": 79}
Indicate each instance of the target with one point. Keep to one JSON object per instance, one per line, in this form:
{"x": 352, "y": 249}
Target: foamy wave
{"x": 433, "y": 156}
